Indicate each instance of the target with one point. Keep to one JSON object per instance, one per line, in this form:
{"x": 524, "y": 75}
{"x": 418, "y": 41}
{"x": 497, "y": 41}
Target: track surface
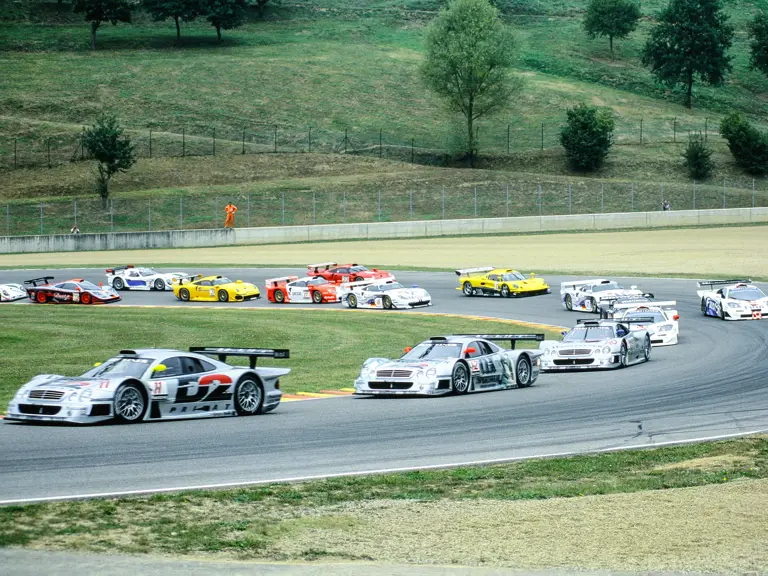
{"x": 713, "y": 383}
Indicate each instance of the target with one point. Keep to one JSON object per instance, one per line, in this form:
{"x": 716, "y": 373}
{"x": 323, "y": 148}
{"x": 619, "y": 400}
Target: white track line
{"x": 369, "y": 472}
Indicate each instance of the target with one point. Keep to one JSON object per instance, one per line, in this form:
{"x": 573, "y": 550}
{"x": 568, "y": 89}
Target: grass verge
{"x": 523, "y": 514}
{"x": 76, "y": 337}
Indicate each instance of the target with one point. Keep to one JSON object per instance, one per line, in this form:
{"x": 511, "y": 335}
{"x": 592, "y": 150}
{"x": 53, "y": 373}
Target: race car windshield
{"x": 358, "y": 269}
{"x": 655, "y": 314}
{"x": 147, "y": 272}
{"x": 88, "y": 285}
{"x": 434, "y": 350}
{"x": 317, "y": 280}
{"x": 385, "y": 287}
{"x": 513, "y": 276}
{"x": 125, "y": 366}
{"x": 746, "y": 294}
{"x": 604, "y": 287}
{"x": 220, "y": 281}
{"x": 589, "y": 334}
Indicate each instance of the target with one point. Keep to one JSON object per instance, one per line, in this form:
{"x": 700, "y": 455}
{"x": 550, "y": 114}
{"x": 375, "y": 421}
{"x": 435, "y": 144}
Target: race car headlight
{"x": 666, "y": 328}
{"x": 431, "y": 373}
{"x": 733, "y": 305}
{"x": 546, "y": 351}
{"x": 85, "y": 394}
{"x": 606, "y": 350}
{"x": 515, "y": 286}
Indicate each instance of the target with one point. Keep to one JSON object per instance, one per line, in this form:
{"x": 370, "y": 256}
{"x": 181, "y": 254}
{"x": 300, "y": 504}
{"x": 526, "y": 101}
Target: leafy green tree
{"x": 748, "y": 145}
{"x": 587, "y": 136}
{"x": 611, "y": 18}
{"x": 698, "y": 157}
{"x": 690, "y": 41}
{"x": 114, "y": 152}
{"x": 260, "y": 5}
{"x": 98, "y": 11}
{"x": 186, "y": 10}
{"x": 226, "y": 14}
{"x": 758, "y": 32}
{"x": 469, "y": 54}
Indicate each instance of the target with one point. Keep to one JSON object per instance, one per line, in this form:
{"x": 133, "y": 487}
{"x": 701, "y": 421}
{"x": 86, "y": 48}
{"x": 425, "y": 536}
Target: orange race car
{"x": 346, "y": 272}
{"x": 293, "y": 290}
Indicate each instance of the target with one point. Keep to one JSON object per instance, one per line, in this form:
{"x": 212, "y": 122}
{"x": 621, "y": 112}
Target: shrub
{"x": 748, "y": 145}
{"x": 698, "y": 157}
{"x": 587, "y": 136}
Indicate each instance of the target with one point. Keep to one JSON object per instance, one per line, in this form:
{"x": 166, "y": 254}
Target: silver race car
{"x": 598, "y": 344}
{"x": 132, "y": 278}
{"x": 387, "y": 294}
{"x": 665, "y": 329}
{"x": 590, "y": 295}
{"x": 460, "y": 363}
{"x": 733, "y": 300}
{"x": 155, "y": 384}
{"x": 12, "y": 292}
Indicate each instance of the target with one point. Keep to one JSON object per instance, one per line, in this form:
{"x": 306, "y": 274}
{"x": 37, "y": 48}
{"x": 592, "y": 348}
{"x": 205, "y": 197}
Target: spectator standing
{"x": 230, "y": 220}
{"x": 667, "y": 206}
{"x": 75, "y": 229}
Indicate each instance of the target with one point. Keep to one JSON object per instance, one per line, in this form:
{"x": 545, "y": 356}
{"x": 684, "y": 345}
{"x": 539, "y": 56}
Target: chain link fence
{"x": 301, "y": 207}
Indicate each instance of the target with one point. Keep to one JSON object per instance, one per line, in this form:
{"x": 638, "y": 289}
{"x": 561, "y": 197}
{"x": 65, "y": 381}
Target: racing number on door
{"x": 484, "y": 365}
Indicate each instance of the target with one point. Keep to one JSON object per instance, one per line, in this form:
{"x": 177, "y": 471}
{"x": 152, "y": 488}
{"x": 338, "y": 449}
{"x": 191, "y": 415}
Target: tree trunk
{"x": 178, "y": 28}
{"x": 261, "y": 9}
{"x": 471, "y": 141}
{"x": 218, "y": 31}
{"x": 688, "y": 96}
{"x": 610, "y": 39}
{"x": 94, "y": 27}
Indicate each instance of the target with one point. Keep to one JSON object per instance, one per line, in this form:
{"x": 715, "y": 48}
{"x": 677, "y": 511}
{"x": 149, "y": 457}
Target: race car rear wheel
{"x": 505, "y": 291}
{"x": 118, "y": 284}
{"x": 623, "y": 355}
{"x": 41, "y": 297}
{"x": 159, "y": 284}
{"x": 590, "y": 305}
{"x": 130, "y": 404}
{"x": 223, "y": 296}
{"x": 279, "y": 296}
{"x": 460, "y": 378}
{"x": 568, "y": 302}
{"x": 317, "y": 297}
{"x": 359, "y": 279}
{"x": 647, "y": 348}
{"x": 703, "y": 307}
{"x": 387, "y": 303}
{"x": 352, "y": 301}
{"x": 467, "y": 289}
{"x": 249, "y": 397}
{"x": 184, "y": 294}
{"x": 86, "y": 298}
{"x": 523, "y": 372}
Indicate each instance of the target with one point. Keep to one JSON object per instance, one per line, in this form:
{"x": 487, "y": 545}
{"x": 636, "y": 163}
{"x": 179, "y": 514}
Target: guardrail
{"x": 378, "y": 230}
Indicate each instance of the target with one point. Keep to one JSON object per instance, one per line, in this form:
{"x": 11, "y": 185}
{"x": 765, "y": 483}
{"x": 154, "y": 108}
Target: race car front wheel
{"x": 130, "y": 404}
{"x": 359, "y": 279}
{"x": 86, "y": 298}
{"x": 505, "y": 291}
{"x": 568, "y": 302}
{"x": 387, "y": 302}
{"x": 623, "y": 355}
{"x": 159, "y": 284}
{"x": 249, "y": 397}
{"x": 352, "y": 301}
{"x": 647, "y": 348}
{"x": 467, "y": 289}
{"x": 184, "y": 294}
{"x": 523, "y": 372}
{"x": 317, "y": 297}
{"x": 118, "y": 284}
{"x": 223, "y": 296}
{"x": 279, "y": 296}
{"x": 590, "y": 305}
{"x": 460, "y": 378}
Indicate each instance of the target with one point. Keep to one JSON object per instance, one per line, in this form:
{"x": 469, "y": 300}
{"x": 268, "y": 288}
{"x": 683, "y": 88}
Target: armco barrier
{"x": 379, "y": 230}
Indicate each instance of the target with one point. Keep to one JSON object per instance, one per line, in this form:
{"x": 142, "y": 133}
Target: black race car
{"x": 75, "y": 291}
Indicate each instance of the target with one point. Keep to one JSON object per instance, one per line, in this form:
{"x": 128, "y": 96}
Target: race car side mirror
{"x": 470, "y": 350}
{"x": 407, "y": 349}
{"x": 676, "y": 317}
{"x": 160, "y": 368}
{"x": 532, "y": 275}
{"x": 564, "y": 332}
{"x": 239, "y": 281}
{"x": 97, "y": 364}
{"x": 101, "y": 285}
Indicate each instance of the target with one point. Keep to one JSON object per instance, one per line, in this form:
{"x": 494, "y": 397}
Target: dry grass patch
{"x": 710, "y": 463}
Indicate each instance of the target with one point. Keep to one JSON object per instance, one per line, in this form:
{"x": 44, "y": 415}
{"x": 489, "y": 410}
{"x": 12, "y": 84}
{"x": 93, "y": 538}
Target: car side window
{"x": 172, "y": 368}
{"x": 341, "y": 271}
{"x": 478, "y": 350}
{"x": 67, "y": 286}
{"x": 204, "y": 283}
{"x": 300, "y": 284}
{"x": 621, "y": 330}
{"x": 192, "y": 366}
{"x": 485, "y": 348}
{"x": 493, "y": 277}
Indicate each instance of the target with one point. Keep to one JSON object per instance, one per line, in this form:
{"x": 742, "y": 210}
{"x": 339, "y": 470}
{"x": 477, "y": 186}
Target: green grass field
{"x": 349, "y": 338}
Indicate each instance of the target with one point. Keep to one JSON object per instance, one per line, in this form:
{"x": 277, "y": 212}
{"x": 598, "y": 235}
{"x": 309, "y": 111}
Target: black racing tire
{"x": 86, "y": 298}
{"x": 568, "y": 302}
{"x": 317, "y": 297}
{"x": 703, "y": 306}
{"x": 352, "y": 301}
{"x": 118, "y": 284}
{"x": 279, "y": 296}
{"x": 358, "y": 279}
{"x": 722, "y": 311}
{"x": 505, "y": 291}
{"x": 460, "y": 378}
{"x": 467, "y": 289}
{"x": 647, "y": 348}
{"x": 222, "y": 296}
{"x": 184, "y": 295}
{"x": 623, "y": 355}
{"x": 249, "y": 396}
{"x": 387, "y": 303}
{"x": 590, "y": 305}
{"x": 129, "y": 404}
{"x": 523, "y": 371}
{"x": 159, "y": 284}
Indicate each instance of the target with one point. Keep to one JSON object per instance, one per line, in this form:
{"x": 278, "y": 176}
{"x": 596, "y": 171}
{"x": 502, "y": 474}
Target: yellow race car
{"x": 502, "y": 281}
{"x": 213, "y": 288}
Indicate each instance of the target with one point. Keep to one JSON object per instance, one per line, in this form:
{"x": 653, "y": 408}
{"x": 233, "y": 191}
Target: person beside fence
{"x": 75, "y": 230}
{"x": 666, "y": 206}
{"x": 230, "y": 220}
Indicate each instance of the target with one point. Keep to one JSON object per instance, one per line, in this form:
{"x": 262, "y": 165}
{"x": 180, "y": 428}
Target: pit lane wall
{"x": 378, "y": 230}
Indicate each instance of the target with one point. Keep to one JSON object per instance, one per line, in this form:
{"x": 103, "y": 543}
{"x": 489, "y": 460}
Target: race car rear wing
{"x": 666, "y": 305}
{"x": 574, "y": 284}
{"x": 35, "y": 281}
{"x": 187, "y": 278}
{"x": 512, "y": 338}
{"x": 281, "y": 280}
{"x": 251, "y": 353}
{"x": 593, "y": 322}
{"x": 315, "y": 268}
{"x": 468, "y": 271}
{"x": 384, "y": 280}
{"x": 712, "y": 283}
{"x": 117, "y": 269}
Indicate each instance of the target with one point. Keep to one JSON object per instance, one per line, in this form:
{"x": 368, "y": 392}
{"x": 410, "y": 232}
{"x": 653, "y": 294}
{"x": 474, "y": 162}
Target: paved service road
{"x": 713, "y": 383}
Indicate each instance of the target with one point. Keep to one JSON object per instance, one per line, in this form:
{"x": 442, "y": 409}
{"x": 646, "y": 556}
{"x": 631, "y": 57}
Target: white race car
{"x": 593, "y": 344}
{"x": 733, "y": 300}
{"x": 387, "y": 294}
{"x": 591, "y": 295}
{"x": 11, "y": 292}
{"x": 132, "y": 278}
{"x": 664, "y": 329}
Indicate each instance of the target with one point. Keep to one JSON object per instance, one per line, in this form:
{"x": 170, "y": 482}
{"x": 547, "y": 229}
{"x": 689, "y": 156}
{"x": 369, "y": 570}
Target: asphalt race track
{"x": 714, "y": 383}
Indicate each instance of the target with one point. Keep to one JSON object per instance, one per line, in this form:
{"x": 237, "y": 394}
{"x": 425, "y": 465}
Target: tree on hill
{"x": 226, "y": 14}
{"x": 587, "y": 136}
{"x": 98, "y": 11}
{"x": 758, "y": 32}
{"x": 611, "y": 18}
{"x": 186, "y": 10}
{"x": 260, "y": 5}
{"x": 690, "y": 41}
{"x": 114, "y": 152}
{"x": 469, "y": 53}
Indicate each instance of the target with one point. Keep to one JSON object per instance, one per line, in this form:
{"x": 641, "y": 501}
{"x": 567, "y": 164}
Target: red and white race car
{"x": 295, "y": 290}
{"x": 346, "y": 272}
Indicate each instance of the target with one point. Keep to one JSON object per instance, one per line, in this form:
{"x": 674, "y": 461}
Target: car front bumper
{"x": 595, "y": 362}
{"x": 71, "y": 412}
{"x": 397, "y": 387}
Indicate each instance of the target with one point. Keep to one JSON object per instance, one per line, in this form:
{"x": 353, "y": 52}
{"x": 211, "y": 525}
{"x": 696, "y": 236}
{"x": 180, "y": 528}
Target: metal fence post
{"x": 310, "y": 139}
{"x": 150, "y": 143}
{"x": 41, "y": 218}
{"x": 15, "y": 155}
{"x": 410, "y": 205}
{"x": 539, "y": 199}
{"x": 542, "y": 135}
{"x": 380, "y": 147}
{"x": 183, "y": 142}
{"x": 633, "y": 196}
{"x": 724, "y": 191}
{"x": 314, "y": 214}
{"x": 112, "y": 215}
{"x": 706, "y": 122}
{"x": 48, "y": 142}
{"x": 674, "y": 130}
{"x": 275, "y": 140}
{"x": 507, "y": 201}
{"x": 641, "y": 131}
{"x": 753, "y": 192}
{"x": 662, "y": 195}
{"x": 283, "y": 207}
{"x": 181, "y": 212}
{"x": 248, "y": 210}
{"x": 570, "y": 199}
{"x": 75, "y": 211}
{"x": 243, "y": 149}
{"x": 216, "y": 209}
{"x": 411, "y": 150}
{"x": 8, "y": 214}
{"x": 443, "y": 194}
{"x": 149, "y": 204}
{"x": 345, "y": 206}
{"x": 475, "y": 201}
{"x": 694, "y": 194}
{"x": 602, "y": 196}
{"x": 379, "y": 205}
{"x": 507, "y": 138}
{"x": 214, "y": 141}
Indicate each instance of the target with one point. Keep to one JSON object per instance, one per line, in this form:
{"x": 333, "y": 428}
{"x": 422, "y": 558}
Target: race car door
{"x": 485, "y": 365}
{"x": 298, "y": 292}
{"x": 204, "y": 290}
